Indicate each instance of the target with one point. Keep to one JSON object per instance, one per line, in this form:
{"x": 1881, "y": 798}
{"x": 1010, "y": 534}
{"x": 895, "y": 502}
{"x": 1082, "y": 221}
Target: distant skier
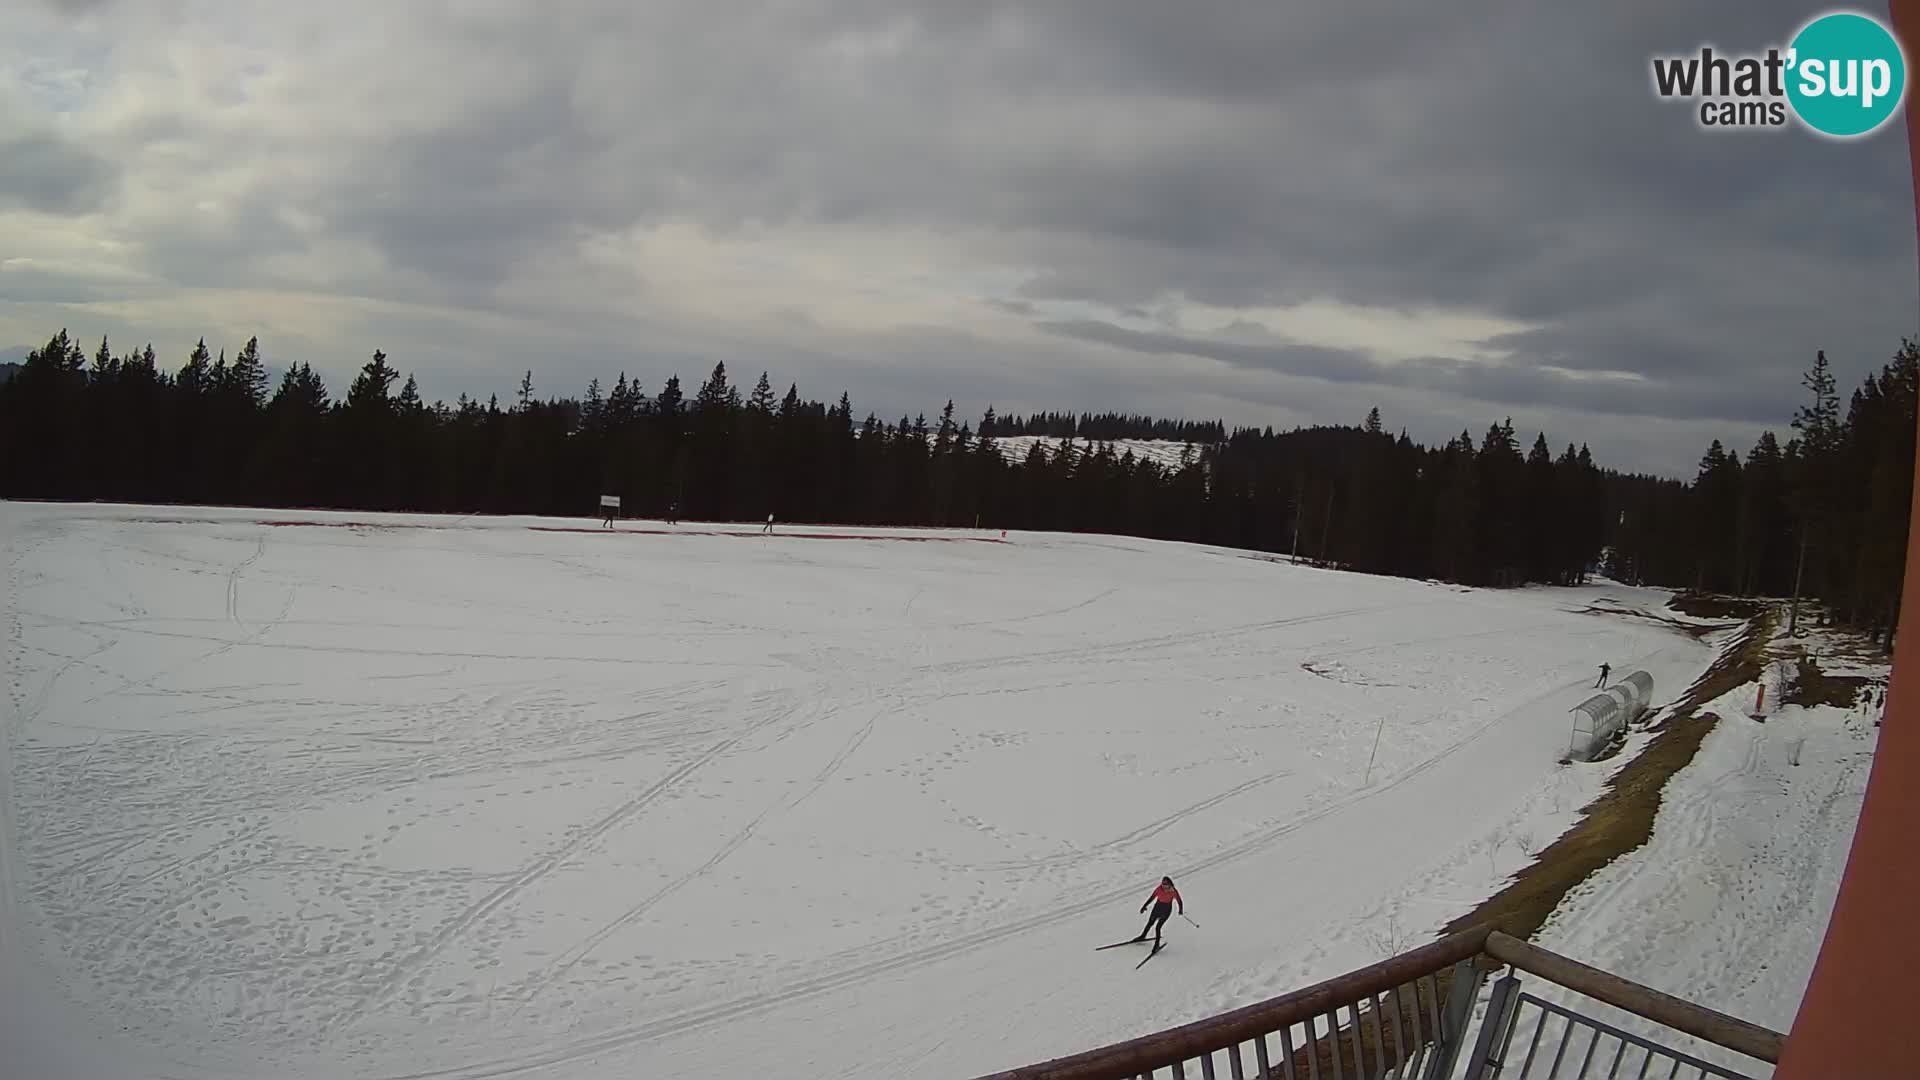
{"x": 1604, "y": 669}
{"x": 1163, "y": 898}
{"x": 769, "y": 529}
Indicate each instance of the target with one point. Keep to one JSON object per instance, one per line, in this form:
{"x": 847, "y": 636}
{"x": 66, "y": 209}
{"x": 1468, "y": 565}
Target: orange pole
{"x": 1856, "y": 1020}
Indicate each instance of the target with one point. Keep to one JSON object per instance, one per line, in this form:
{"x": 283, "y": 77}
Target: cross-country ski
{"x": 1157, "y": 946}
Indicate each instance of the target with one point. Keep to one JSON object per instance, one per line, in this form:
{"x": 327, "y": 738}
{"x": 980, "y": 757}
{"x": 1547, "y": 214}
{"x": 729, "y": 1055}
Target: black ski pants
{"x": 1162, "y": 911}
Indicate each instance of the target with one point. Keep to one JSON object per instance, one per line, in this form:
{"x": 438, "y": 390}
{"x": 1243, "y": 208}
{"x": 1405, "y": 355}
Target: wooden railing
{"x": 1680, "y": 1015}
{"x": 1403, "y": 1018}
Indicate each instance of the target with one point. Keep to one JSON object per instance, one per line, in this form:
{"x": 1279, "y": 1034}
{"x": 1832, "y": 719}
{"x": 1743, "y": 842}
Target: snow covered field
{"x": 402, "y": 796}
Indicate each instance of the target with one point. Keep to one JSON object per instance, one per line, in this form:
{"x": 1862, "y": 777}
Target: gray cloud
{"x": 1506, "y": 161}
{"x": 1335, "y": 365}
{"x": 40, "y": 170}
{"x": 23, "y": 285}
{"x": 1669, "y": 391}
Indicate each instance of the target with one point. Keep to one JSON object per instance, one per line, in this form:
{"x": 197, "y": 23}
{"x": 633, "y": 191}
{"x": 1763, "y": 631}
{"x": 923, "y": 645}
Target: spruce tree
{"x": 1813, "y": 485}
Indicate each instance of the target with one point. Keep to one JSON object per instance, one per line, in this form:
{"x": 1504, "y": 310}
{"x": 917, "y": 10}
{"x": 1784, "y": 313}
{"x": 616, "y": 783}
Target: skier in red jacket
{"x": 1164, "y": 897}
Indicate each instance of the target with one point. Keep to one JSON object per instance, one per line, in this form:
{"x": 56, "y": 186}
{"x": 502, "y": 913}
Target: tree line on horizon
{"x": 1825, "y": 511}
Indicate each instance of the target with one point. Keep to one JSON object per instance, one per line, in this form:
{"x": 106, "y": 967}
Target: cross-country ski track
{"x": 396, "y": 796}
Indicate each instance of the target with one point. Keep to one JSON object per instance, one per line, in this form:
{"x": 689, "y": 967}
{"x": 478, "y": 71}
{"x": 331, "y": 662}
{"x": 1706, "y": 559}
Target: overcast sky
{"x": 1268, "y": 213}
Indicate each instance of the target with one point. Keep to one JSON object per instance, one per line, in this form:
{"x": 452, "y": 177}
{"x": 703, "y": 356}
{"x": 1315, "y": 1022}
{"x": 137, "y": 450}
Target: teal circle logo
{"x": 1846, "y": 75}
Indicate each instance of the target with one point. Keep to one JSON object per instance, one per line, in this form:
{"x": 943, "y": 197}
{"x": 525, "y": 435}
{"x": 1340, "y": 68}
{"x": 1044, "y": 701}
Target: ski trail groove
{"x": 585, "y": 948}
{"x": 1147, "y": 831}
{"x": 802, "y": 989}
{"x": 233, "y": 579}
{"x": 253, "y": 636}
{"x": 532, "y": 873}
{"x": 1135, "y": 646}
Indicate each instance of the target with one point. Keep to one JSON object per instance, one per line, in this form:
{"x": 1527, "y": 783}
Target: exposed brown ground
{"x": 1614, "y": 824}
{"x": 1621, "y": 818}
{"x": 1811, "y": 686}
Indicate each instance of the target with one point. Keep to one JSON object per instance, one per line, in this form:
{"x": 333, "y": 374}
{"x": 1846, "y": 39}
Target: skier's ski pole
{"x": 1190, "y": 922}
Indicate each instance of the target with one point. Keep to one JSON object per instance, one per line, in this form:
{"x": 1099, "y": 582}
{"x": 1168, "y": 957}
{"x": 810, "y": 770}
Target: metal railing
{"x": 1508, "y": 1016}
{"x": 1410, "y": 1018}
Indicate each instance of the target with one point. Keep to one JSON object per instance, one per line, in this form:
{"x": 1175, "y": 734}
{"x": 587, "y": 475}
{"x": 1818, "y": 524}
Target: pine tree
{"x": 713, "y": 393}
{"x": 1499, "y": 527}
{"x": 1840, "y": 490}
{"x": 670, "y": 403}
{"x": 1813, "y": 487}
{"x": 1715, "y": 514}
{"x": 943, "y": 435}
{"x": 295, "y": 456}
{"x": 762, "y": 400}
{"x": 593, "y": 410}
{"x": 1540, "y": 559}
{"x": 195, "y": 377}
{"x": 40, "y": 423}
{"x": 370, "y": 392}
{"x": 1878, "y": 456}
{"x": 247, "y": 379}
{"x": 300, "y": 390}
{"x": 1763, "y": 529}
{"x": 105, "y": 365}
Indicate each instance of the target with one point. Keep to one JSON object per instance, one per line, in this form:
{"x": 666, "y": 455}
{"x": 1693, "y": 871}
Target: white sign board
{"x": 610, "y": 502}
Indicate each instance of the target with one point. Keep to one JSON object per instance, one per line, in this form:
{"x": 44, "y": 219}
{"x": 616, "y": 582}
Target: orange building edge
{"x": 1856, "y": 1020}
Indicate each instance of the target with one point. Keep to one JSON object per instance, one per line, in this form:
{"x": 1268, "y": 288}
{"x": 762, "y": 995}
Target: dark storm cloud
{"x": 1523, "y": 169}
{"x": 1510, "y": 160}
{"x": 1528, "y": 160}
{"x": 465, "y": 202}
{"x": 1251, "y": 53}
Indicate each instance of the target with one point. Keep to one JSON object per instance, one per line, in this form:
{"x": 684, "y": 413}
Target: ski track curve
{"x": 233, "y": 579}
{"x": 534, "y": 871}
{"x": 1067, "y": 609}
{"x": 1135, "y": 646}
{"x": 252, "y": 636}
{"x": 875, "y": 959}
{"x": 802, "y": 989}
{"x": 1145, "y": 832}
{"x": 872, "y": 697}
{"x": 584, "y": 948}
